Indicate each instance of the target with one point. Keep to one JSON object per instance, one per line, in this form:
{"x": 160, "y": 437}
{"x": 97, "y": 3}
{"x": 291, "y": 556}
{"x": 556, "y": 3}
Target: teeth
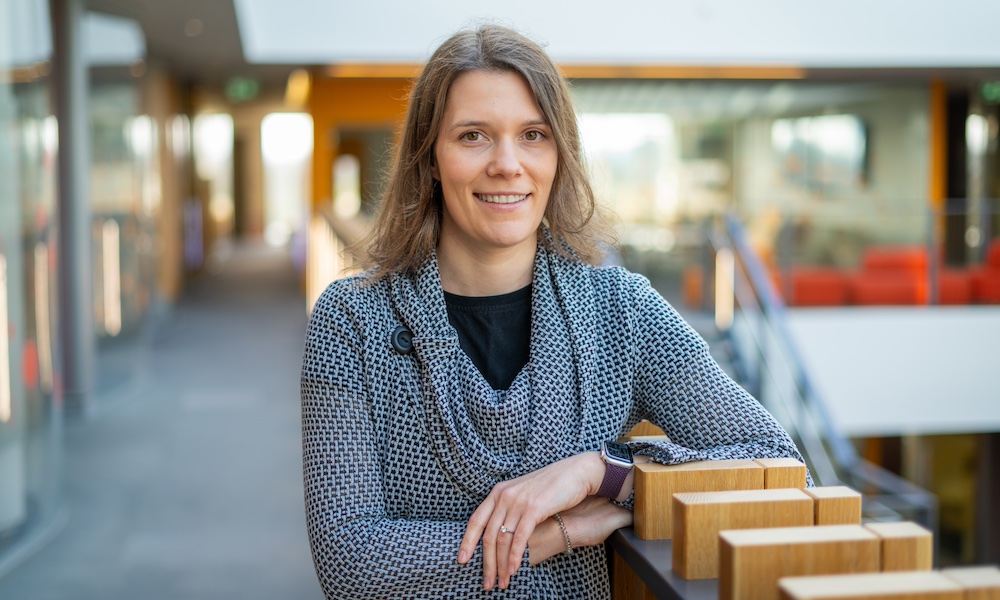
{"x": 500, "y": 199}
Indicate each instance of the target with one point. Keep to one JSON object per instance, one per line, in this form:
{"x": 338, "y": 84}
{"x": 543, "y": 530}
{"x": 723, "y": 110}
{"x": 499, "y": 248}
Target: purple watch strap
{"x": 614, "y": 479}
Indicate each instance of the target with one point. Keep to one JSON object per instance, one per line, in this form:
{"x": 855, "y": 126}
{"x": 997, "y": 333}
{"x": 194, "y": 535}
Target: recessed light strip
{"x": 42, "y": 329}
{"x": 112, "y": 278}
{"x": 5, "y": 389}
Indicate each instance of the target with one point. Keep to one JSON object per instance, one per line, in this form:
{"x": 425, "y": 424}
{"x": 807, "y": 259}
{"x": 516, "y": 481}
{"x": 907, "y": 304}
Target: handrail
{"x": 774, "y": 306}
{"x": 759, "y": 326}
{"x": 332, "y": 250}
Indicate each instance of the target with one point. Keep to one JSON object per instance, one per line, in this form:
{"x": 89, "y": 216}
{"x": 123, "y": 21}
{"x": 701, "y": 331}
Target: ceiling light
{"x": 193, "y": 28}
{"x": 297, "y": 89}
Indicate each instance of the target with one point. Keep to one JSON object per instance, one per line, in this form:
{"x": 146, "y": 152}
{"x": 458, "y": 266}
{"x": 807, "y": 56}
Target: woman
{"x": 461, "y": 399}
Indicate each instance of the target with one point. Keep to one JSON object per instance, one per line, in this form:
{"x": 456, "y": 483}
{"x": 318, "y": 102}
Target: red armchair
{"x": 892, "y": 275}
{"x": 986, "y": 279}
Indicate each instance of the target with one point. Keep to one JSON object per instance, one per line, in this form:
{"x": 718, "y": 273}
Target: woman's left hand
{"x": 519, "y": 505}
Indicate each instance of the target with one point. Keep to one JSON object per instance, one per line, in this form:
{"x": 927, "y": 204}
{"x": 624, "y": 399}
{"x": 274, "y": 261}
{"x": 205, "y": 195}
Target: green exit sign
{"x": 991, "y": 92}
{"x": 242, "y": 89}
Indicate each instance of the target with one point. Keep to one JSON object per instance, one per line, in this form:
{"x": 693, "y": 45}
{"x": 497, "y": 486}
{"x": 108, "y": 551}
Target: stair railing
{"x": 752, "y": 314}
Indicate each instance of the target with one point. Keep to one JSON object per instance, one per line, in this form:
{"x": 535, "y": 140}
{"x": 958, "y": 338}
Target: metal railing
{"x": 751, "y": 313}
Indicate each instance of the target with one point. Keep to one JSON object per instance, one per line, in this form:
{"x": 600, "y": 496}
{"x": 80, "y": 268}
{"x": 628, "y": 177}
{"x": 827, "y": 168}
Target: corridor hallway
{"x": 185, "y": 482}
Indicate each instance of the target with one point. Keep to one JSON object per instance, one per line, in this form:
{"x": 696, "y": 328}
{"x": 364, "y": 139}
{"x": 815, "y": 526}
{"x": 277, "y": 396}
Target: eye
{"x": 534, "y": 135}
{"x": 471, "y": 136}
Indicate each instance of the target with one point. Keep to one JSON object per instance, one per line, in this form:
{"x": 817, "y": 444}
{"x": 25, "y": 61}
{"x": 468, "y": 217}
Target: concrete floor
{"x": 184, "y": 481}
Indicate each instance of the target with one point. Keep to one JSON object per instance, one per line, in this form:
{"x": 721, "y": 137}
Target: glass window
{"x": 28, "y": 408}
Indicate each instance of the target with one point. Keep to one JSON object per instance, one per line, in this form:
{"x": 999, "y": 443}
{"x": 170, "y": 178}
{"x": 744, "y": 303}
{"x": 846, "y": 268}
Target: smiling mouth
{"x": 501, "y": 198}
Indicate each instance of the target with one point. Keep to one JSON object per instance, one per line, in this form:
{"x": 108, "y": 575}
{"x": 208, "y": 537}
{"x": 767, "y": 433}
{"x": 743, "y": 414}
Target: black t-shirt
{"x": 495, "y": 331}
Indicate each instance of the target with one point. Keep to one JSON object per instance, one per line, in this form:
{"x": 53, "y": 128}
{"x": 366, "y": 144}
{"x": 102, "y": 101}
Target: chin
{"x": 511, "y": 239}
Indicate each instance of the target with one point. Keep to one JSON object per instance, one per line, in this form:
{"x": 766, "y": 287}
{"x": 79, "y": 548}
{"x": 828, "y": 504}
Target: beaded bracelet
{"x": 569, "y": 545}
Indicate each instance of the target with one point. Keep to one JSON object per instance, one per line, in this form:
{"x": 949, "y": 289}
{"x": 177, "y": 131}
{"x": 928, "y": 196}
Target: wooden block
{"x": 700, "y": 516}
{"x": 645, "y": 429}
{"x": 979, "y": 583}
{"x": 913, "y": 585}
{"x": 836, "y": 505}
{"x": 752, "y": 560}
{"x": 626, "y": 584}
{"x": 644, "y": 438}
{"x": 906, "y": 546}
{"x": 655, "y": 484}
{"x": 782, "y": 473}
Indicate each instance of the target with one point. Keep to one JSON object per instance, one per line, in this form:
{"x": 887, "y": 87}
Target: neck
{"x": 485, "y": 272}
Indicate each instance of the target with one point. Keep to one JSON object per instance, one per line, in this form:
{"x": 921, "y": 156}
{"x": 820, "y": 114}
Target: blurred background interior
{"x": 814, "y": 187}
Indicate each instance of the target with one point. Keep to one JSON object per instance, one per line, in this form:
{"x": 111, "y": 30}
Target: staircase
{"x": 757, "y": 351}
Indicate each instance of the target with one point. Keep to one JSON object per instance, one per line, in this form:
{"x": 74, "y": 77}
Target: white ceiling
{"x": 267, "y": 38}
{"x": 847, "y": 33}
{"x": 211, "y": 56}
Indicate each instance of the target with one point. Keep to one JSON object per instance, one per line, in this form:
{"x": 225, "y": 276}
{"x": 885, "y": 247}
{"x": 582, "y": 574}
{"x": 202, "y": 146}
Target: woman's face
{"x": 496, "y": 158}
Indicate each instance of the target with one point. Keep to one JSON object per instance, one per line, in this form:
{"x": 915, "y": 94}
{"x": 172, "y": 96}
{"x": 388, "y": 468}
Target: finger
{"x": 519, "y": 543}
{"x": 490, "y": 540}
{"x": 504, "y": 543}
{"x": 489, "y": 560}
{"x": 474, "y": 530}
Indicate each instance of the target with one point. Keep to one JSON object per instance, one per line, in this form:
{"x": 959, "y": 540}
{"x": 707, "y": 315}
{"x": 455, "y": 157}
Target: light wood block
{"x": 645, "y": 429}
{"x": 906, "y": 546}
{"x": 700, "y": 516}
{"x": 979, "y": 583}
{"x": 655, "y": 484}
{"x": 644, "y": 438}
{"x": 752, "y": 560}
{"x": 836, "y": 505}
{"x": 913, "y": 585}
{"x": 782, "y": 473}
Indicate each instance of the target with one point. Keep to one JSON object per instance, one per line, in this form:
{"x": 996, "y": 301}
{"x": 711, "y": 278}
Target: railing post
{"x": 785, "y": 259}
{"x": 986, "y": 223}
{"x": 725, "y": 273}
{"x": 762, "y": 357}
{"x": 707, "y": 264}
{"x": 933, "y": 266}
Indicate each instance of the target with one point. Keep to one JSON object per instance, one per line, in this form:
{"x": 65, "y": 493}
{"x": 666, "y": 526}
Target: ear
{"x": 435, "y": 173}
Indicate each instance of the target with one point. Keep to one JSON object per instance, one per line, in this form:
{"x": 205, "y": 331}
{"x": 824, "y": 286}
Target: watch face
{"x": 618, "y": 451}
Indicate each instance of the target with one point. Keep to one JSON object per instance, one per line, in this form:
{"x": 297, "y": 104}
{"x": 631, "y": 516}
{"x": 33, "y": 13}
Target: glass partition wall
{"x": 668, "y": 154}
{"x": 124, "y": 197}
{"x": 29, "y": 373}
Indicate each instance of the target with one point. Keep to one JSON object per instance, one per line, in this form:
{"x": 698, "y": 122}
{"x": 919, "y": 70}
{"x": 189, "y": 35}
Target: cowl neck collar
{"x": 554, "y": 390}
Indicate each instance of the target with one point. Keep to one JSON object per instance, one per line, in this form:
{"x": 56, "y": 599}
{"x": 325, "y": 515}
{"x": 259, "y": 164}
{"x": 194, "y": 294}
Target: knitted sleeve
{"x": 681, "y": 389}
{"x": 359, "y": 551}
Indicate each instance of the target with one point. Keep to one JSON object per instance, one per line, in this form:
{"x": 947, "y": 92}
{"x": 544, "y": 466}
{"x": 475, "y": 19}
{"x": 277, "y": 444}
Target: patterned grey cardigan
{"x": 400, "y": 449}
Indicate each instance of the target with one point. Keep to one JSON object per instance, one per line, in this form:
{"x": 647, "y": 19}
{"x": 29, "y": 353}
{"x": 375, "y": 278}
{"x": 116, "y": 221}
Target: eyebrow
{"x": 529, "y": 123}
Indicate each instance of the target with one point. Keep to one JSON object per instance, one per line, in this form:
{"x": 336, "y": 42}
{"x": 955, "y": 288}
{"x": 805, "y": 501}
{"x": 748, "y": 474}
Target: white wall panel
{"x": 896, "y": 371}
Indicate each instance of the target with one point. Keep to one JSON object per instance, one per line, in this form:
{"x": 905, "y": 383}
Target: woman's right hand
{"x": 519, "y": 505}
{"x": 587, "y": 524}
{"x": 591, "y": 522}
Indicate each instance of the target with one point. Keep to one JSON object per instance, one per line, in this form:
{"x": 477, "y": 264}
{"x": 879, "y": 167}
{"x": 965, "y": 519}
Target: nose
{"x": 505, "y": 161}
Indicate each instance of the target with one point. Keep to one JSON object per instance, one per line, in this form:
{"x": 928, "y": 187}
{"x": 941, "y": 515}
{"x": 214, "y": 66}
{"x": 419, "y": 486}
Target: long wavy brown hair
{"x": 409, "y": 219}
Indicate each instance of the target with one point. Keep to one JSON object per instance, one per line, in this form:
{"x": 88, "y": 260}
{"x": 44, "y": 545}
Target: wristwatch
{"x": 618, "y": 462}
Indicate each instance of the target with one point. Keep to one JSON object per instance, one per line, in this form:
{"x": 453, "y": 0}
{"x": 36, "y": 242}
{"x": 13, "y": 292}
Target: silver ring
{"x": 503, "y": 529}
